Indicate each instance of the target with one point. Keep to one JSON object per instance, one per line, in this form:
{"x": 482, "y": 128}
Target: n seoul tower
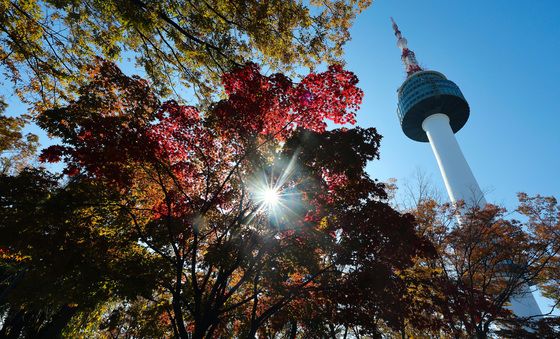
{"x": 432, "y": 109}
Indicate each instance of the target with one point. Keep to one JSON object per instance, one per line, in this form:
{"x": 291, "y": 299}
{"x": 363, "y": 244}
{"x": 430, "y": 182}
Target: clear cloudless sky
{"x": 505, "y": 57}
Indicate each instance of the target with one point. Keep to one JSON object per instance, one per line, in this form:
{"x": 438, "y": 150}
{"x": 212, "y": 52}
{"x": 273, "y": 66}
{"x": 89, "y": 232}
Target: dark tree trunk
{"x": 332, "y": 330}
{"x": 293, "y": 329}
{"x": 179, "y": 319}
{"x": 481, "y": 335}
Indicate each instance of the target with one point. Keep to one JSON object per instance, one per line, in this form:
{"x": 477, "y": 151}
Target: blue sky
{"x": 504, "y": 57}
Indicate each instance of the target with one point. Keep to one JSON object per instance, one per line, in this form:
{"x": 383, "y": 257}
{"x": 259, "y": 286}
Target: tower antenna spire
{"x": 408, "y": 58}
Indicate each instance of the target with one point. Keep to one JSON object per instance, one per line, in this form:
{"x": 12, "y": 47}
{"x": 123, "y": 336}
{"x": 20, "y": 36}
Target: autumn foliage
{"x": 487, "y": 258}
{"x": 157, "y": 226}
{"x": 178, "y": 187}
{"x": 46, "y": 45}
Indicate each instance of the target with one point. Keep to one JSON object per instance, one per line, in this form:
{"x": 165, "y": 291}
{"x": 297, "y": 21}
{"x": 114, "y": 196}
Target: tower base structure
{"x": 523, "y": 303}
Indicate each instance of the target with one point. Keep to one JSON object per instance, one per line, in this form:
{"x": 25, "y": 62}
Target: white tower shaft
{"x": 461, "y": 185}
{"x": 457, "y": 175}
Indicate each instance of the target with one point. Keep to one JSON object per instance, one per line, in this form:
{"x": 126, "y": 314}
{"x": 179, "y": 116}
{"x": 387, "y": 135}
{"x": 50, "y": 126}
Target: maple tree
{"x": 181, "y": 192}
{"x": 485, "y": 258}
{"x": 45, "y": 45}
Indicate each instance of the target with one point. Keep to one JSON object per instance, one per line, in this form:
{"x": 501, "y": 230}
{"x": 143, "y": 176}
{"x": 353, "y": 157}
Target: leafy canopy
{"x": 45, "y": 45}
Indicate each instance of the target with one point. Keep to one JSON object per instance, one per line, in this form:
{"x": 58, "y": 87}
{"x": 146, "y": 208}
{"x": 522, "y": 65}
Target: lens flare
{"x": 271, "y": 196}
{"x": 268, "y": 197}
{"x": 273, "y": 192}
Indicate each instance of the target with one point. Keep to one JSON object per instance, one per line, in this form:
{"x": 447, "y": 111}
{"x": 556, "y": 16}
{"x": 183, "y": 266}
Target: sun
{"x": 271, "y": 196}
{"x": 271, "y": 190}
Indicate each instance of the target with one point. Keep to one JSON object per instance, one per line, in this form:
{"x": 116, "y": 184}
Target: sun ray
{"x": 273, "y": 193}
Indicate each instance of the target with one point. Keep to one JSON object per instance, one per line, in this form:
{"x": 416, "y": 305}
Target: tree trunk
{"x": 293, "y": 329}
{"x": 179, "y": 319}
{"x": 481, "y": 334}
{"x": 333, "y": 333}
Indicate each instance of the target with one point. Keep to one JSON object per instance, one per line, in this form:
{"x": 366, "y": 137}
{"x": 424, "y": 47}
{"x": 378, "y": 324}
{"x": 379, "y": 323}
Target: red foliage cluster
{"x": 52, "y": 154}
{"x": 335, "y": 181}
{"x": 180, "y": 140}
{"x": 274, "y": 105}
{"x": 110, "y": 130}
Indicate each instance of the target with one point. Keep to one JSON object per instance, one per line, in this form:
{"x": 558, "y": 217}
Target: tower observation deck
{"x": 432, "y": 109}
{"x": 425, "y": 93}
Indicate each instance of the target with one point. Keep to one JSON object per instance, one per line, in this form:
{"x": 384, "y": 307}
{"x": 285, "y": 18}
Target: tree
{"x": 16, "y": 149}
{"x": 252, "y": 217}
{"x": 487, "y": 259}
{"x": 486, "y": 256}
{"x": 63, "y": 251}
{"x": 45, "y": 45}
